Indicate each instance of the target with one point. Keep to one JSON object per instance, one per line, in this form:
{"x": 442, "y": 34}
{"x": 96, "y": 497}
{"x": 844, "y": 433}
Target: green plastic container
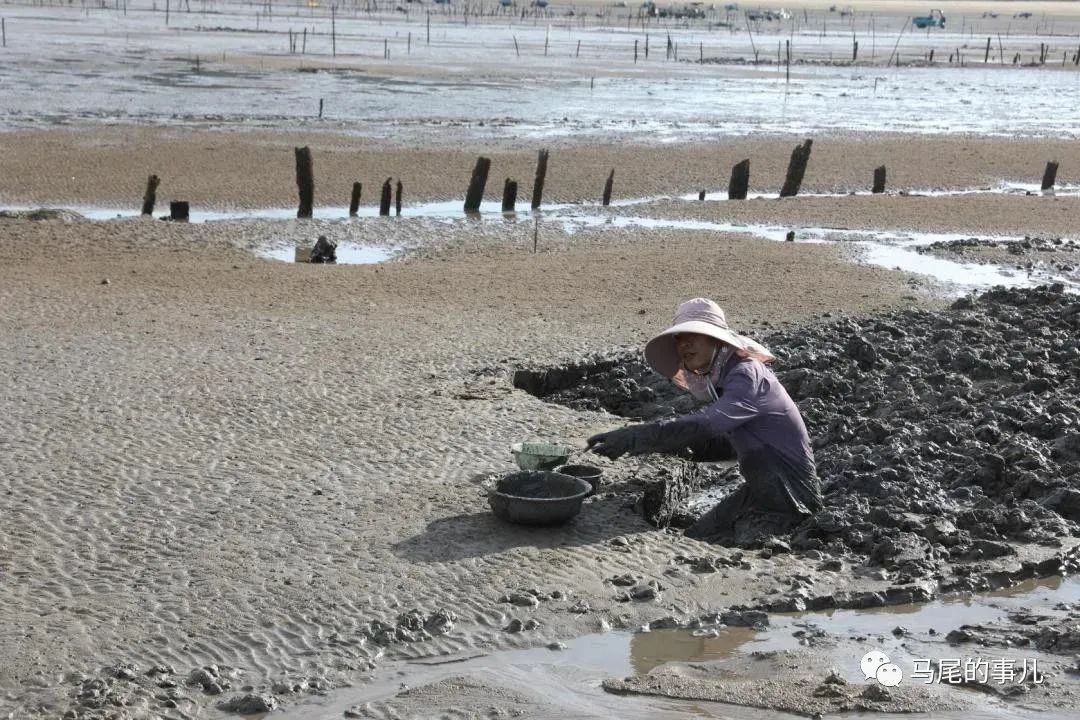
{"x": 539, "y": 455}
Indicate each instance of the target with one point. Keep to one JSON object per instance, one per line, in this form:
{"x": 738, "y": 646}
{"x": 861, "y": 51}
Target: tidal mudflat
{"x": 231, "y": 482}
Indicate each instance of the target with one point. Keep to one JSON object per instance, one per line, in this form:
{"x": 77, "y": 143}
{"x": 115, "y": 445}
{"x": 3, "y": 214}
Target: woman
{"x": 701, "y": 354}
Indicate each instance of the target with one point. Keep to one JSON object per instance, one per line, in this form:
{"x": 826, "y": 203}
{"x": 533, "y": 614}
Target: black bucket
{"x": 589, "y": 473}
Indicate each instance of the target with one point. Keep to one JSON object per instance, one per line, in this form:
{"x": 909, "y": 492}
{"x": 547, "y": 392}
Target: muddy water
{"x": 567, "y": 681}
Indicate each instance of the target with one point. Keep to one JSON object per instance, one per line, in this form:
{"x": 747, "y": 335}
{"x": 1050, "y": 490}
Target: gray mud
{"x": 1060, "y": 256}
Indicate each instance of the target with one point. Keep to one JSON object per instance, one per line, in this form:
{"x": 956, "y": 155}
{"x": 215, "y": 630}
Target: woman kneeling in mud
{"x": 749, "y": 407}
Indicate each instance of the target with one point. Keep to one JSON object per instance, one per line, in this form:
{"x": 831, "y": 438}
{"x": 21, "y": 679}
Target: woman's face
{"x": 695, "y": 350}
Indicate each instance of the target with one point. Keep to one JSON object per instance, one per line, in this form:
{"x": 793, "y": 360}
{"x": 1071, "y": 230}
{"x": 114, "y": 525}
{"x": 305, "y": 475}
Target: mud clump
{"x": 412, "y": 626}
{"x": 620, "y": 384}
{"x": 940, "y": 436}
{"x": 1061, "y": 254}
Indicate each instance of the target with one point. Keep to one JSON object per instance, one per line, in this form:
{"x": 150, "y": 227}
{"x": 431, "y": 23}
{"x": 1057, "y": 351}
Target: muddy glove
{"x": 647, "y": 438}
{"x": 615, "y": 443}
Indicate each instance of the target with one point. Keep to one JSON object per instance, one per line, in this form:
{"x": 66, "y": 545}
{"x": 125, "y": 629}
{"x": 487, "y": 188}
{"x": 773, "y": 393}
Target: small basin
{"x": 589, "y": 473}
{"x": 539, "y": 455}
{"x": 538, "y": 497}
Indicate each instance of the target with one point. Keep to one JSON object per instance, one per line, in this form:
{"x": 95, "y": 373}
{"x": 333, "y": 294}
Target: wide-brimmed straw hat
{"x": 704, "y": 317}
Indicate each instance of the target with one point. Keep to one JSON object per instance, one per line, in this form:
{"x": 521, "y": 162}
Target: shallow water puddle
{"x": 448, "y": 210}
{"x": 884, "y": 248}
{"x": 569, "y": 679}
{"x": 347, "y": 254}
{"x": 889, "y": 249}
{"x": 1004, "y": 187}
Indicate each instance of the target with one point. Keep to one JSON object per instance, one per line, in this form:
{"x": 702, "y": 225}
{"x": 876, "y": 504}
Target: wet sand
{"x": 220, "y": 170}
{"x": 217, "y": 459}
{"x": 212, "y": 459}
{"x": 204, "y": 451}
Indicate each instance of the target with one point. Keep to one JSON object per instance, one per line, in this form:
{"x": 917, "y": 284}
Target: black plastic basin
{"x": 538, "y": 497}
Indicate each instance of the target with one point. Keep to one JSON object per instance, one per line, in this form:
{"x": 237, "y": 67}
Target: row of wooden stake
{"x": 738, "y": 185}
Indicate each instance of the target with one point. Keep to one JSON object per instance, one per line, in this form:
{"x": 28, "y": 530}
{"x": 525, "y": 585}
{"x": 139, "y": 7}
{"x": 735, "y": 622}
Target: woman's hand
{"x": 615, "y": 443}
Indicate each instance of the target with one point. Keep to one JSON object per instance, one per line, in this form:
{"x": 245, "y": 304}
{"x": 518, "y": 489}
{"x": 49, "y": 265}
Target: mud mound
{"x": 939, "y": 436}
{"x": 623, "y": 385}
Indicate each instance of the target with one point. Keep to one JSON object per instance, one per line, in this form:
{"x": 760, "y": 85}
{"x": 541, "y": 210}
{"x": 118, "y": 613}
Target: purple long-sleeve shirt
{"x": 757, "y": 415}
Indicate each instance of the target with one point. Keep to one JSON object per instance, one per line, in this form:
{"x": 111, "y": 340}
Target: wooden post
{"x": 1049, "y": 176}
{"x": 635, "y": 51}
{"x": 517, "y": 50}
{"x": 879, "y": 180}
{"x": 384, "y": 201}
{"x": 150, "y": 196}
{"x": 397, "y": 198}
{"x": 303, "y": 43}
{"x": 475, "y": 193}
{"x": 305, "y": 181}
{"x": 740, "y": 180}
{"x": 179, "y": 210}
{"x": 509, "y": 195}
{"x": 538, "y": 182}
{"x": 320, "y": 108}
{"x": 608, "y": 185}
{"x": 931, "y": 56}
{"x": 854, "y": 49}
{"x": 354, "y": 201}
{"x": 796, "y": 169}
